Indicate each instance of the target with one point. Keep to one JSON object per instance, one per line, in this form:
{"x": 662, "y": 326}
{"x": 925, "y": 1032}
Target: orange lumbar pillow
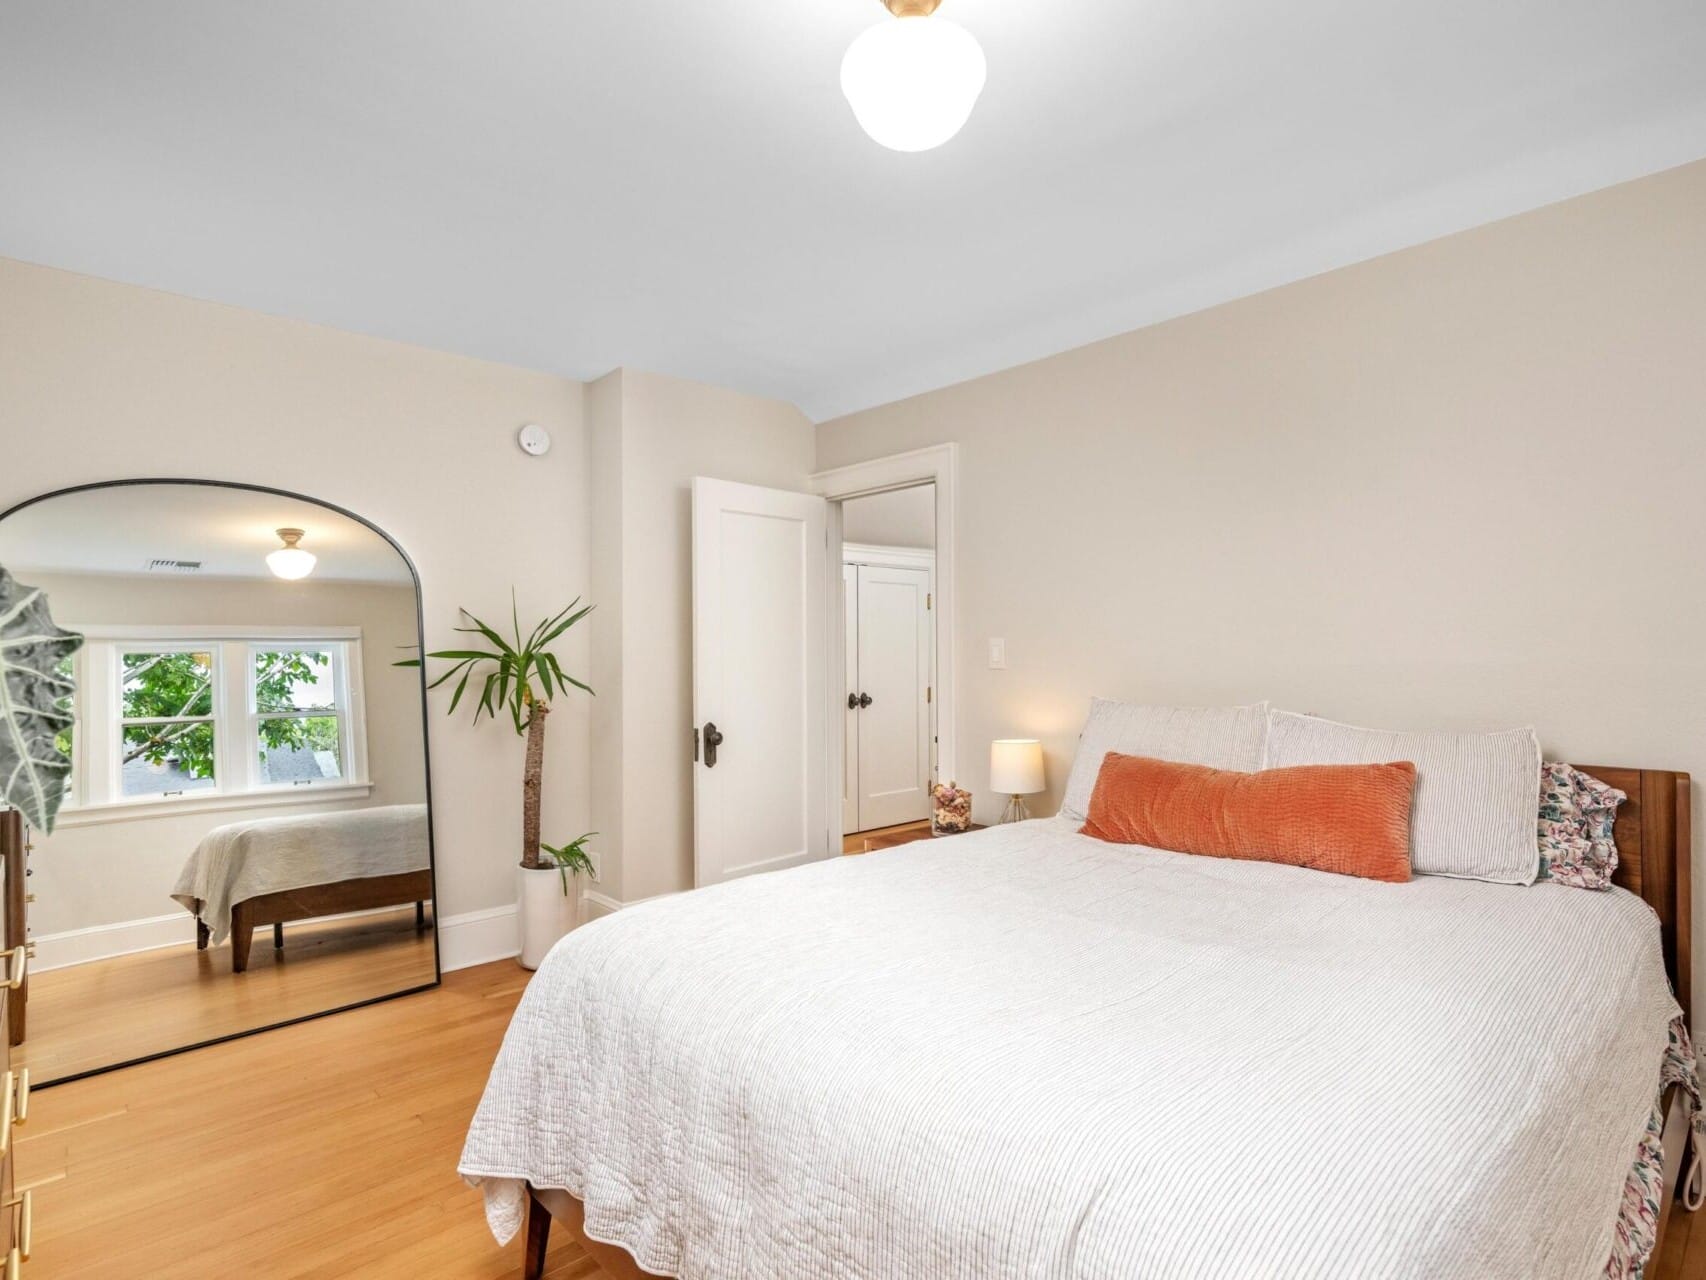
{"x": 1353, "y": 819}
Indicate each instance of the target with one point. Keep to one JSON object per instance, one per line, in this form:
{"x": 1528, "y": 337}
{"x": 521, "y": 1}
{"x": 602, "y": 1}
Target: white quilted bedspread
{"x": 1023, "y": 1052}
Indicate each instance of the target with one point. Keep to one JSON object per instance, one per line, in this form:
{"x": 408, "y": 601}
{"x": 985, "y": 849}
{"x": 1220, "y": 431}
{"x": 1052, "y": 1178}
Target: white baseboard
{"x": 103, "y": 941}
{"x": 602, "y": 903}
{"x": 477, "y": 937}
{"x": 106, "y": 941}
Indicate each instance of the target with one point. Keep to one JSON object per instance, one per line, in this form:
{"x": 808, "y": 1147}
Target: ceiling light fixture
{"x": 291, "y": 561}
{"x": 913, "y": 82}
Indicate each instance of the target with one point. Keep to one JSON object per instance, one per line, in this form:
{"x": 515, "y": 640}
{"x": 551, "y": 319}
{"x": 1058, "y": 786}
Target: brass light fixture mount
{"x": 912, "y": 8}
{"x": 290, "y": 537}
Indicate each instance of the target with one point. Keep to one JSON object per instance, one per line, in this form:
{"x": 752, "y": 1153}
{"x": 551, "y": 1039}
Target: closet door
{"x": 894, "y": 659}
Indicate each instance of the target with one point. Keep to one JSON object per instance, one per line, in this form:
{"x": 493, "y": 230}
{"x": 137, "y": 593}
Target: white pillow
{"x": 1477, "y": 794}
{"x": 1220, "y": 737}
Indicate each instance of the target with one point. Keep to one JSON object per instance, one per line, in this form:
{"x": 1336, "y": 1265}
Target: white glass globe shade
{"x": 912, "y": 82}
{"x": 291, "y": 563}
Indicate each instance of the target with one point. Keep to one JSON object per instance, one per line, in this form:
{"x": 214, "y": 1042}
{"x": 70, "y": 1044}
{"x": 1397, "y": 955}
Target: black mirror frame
{"x": 426, "y": 757}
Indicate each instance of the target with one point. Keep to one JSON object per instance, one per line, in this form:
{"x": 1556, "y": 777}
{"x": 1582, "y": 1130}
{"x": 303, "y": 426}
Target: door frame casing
{"x": 938, "y": 465}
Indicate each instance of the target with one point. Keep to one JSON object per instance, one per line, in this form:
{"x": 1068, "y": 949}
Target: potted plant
{"x": 521, "y": 676}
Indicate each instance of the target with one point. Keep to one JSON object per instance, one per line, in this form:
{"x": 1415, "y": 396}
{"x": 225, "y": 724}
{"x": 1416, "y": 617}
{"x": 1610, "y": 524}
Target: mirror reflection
{"x": 245, "y": 838}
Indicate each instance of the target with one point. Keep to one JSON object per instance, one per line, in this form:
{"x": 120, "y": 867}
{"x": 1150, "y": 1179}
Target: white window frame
{"x": 95, "y": 795}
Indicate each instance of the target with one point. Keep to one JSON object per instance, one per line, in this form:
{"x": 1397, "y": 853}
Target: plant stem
{"x": 532, "y": 775}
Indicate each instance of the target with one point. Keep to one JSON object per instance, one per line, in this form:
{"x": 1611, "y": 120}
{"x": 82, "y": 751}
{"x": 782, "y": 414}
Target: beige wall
{"x": 651, "y": 436}
{"x": 108, "y": 873}
{"x": 1462, "y": 485}
{"x": 99, "y": 381}
{"x": 901, "y": 518}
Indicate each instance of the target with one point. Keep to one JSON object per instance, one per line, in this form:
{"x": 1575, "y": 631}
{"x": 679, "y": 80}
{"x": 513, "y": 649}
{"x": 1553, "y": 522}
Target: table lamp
{"x": 1016, "y": 768}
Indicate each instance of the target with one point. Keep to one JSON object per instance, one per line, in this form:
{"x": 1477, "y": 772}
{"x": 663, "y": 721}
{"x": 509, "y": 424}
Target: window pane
{"x": 293, "y": 680}
{"x": 167, "y": 684}
{"x": 300, "y": 749}
{"x": 159, "y": 759}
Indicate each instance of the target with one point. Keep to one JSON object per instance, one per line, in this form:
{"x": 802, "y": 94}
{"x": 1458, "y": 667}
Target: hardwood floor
{"x": 317, "y": 1151}
{"x": 855, "y": 843}
{"x": 327, "y": 1149}
{"x": 108, "y": 1011}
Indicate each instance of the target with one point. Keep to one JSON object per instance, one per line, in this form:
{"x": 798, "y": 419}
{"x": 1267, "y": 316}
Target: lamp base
{"x": 1015, "y": 810}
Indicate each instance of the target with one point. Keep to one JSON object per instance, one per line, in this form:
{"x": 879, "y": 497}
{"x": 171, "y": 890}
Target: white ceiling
{"x": 678, "y": 186}
{"x": 118, "y": 530}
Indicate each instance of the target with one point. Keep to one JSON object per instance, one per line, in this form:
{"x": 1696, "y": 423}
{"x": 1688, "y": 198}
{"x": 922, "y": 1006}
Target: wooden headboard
{"x": 1654, "y": 848}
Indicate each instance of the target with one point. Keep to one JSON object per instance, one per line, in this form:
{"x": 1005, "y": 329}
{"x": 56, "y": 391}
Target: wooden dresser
{"x": 14, "y": 1083}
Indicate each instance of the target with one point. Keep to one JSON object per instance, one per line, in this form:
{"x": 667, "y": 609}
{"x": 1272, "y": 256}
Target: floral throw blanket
{"x": 1638, "y": 1220}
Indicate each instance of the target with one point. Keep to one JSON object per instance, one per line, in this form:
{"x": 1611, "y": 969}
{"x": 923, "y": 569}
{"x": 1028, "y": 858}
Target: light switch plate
{"x": 997, "y": 655}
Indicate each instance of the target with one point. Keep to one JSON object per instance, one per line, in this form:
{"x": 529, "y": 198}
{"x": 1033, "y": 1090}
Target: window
{"x": 168, "y": 717}
{"x": 166, "y": 730}
{"x": 298, "y": 722}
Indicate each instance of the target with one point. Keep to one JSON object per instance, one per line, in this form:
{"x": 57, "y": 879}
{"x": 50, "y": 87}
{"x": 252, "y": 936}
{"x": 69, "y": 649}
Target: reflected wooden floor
{"x": 323, "y": 1150}
{"x": 88, "y": 1016}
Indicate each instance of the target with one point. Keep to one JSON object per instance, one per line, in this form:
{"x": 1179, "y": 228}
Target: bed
{"x": 245, "y": 875}
{"x": 1022, "y": 1052}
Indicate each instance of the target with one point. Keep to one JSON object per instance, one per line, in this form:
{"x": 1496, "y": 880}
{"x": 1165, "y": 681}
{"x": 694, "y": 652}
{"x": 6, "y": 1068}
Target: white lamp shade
{"x": 291, "y": 562}
{"x": 1015, "y": 766}
{"x": 912, "y": 82}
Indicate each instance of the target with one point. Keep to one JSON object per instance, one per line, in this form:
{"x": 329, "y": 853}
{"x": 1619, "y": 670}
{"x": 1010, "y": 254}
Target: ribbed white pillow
{"x": 1477, "y": 794}
{"x": 1220, "y": 737}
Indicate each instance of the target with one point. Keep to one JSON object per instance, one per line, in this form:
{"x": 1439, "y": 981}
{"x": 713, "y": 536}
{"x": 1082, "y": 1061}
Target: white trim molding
{"x": 938, "y": 465}
{"x": 105, "y": 941}
{"x": 478, "y": 937}
{"x": 130, "y": 810}
{"x": 603, "y": 902}
{"x": 889, "y": 557}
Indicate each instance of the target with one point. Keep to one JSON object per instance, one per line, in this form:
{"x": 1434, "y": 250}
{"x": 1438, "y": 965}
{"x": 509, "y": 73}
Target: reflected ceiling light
{"x": 291, "y": 561}
{"x": 913, "y": 80}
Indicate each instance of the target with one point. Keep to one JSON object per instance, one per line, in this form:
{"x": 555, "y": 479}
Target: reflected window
{"x": 167, "y": 739}
{"x": 169, "y": 715}
{"x": 299, "y": 722}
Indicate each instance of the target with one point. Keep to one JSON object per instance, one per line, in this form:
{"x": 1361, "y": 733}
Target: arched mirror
{"x": 245, "y": 838}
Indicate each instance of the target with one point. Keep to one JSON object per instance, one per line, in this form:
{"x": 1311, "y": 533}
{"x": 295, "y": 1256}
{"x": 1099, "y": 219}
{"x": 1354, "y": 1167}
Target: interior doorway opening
{"x": 890, "y": 695}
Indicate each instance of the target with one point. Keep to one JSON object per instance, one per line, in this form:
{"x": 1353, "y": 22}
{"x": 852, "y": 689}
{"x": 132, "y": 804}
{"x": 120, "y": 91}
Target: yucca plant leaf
{"x": 564, "y": 625}
{"x": 33, "y": 770}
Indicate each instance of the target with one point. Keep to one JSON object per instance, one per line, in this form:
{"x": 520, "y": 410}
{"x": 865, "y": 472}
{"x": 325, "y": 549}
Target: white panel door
{"x": 760, "y": 687}
{"x": 850, "y": 717}
{"x": 895, "y": 651}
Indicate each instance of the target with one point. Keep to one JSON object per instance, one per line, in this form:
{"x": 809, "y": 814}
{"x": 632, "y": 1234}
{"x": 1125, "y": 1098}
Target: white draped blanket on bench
{"x": 244, "y": 860}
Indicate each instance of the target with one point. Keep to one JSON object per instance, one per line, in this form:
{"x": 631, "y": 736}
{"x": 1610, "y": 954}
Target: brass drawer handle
{"x": 19, "y": 967}
{"x": 21, "y": 1250}
{"x": 14, "y": 1106}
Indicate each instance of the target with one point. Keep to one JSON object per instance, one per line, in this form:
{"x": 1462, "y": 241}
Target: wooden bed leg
{"x": 536, "y": 1236}
{"x": 420, "y": 917}
{"x": 242, "y": 935}
{"x": 202, "y": 934}
{"x": 278, "y": 935}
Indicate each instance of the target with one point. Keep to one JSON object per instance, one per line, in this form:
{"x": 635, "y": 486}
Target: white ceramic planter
{"x": 544, "y": 912}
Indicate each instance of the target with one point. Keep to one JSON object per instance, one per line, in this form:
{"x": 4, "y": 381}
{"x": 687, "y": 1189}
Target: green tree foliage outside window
{"x": 161, "y": 689}
{"x": 164, "y": 688}
{"x": 294, "y": 681}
